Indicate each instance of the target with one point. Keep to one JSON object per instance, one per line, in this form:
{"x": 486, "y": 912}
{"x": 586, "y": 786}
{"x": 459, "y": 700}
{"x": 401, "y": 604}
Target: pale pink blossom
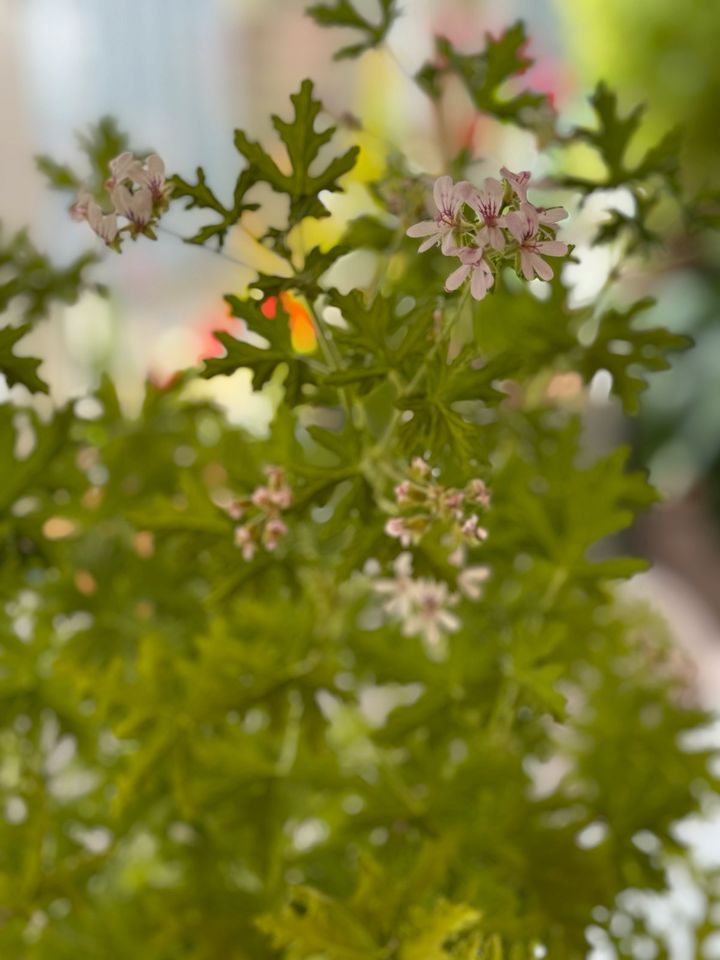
{"x": 470, "y": 581}
{"x": 273, "y": 532}
{"x": 551, "y": 215}
{"x": 430, "y": 617}
{"x": 488, "y": 204}
{"x": 104, "y": 224}
{"x": 399, "y": 590}
{"x": 449, "y": 199}
{"x": 79, "y": 210}
{"x": 473, "y": 265}
{"x": 420, "y": 467}
{"x": 398, "y": 528}
{"x": 518, "y": 181}
{"x": 245, "y": 540}
{"x": 136, "y": 207}
{"x": 152, "y": 175}
{"x": 523, "y": 225}
{"x": 124, "y": 167}
{"x": 472, "y": 530}
{"x": 478, "y": 492}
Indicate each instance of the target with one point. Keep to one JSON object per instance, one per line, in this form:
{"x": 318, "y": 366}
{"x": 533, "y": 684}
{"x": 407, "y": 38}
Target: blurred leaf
{"x": 342, "y": 13}
{"x": 303, "y": 143}
{"x": 17, "y": 369}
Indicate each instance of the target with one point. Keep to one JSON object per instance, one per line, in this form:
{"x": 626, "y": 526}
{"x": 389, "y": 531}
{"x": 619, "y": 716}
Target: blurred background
{"x": 179, "y": 77}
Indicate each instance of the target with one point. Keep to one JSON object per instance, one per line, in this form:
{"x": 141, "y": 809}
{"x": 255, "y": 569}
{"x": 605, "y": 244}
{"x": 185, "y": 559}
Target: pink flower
{"x": 470, "y": 581}
{"x": 104, "y": 224}
{"x": 79, "y": 210}
{"x": 472, "y": 530}
{"x": 137, "y": 207}
{"x": 518, "y": 181}
{"x": 274, "y": 531}
{"x": 152, "y": 176}
{"x": 523, "y": 225}
{"x": 399, "y": 589}
{"x": 474, "y": 266}
{"x": 551, "y": 215}
{"x": 245, "y": 540}
{"x": 488, "y": 204}
{"x": 430, "y": 619}
{"x": 123, "y": 167}
{"x": 449, "y": 198}
{"x": 397, "y": 527}
{"x": 478, "y": 492}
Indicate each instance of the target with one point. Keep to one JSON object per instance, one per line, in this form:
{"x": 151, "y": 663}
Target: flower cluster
{"x": 486, "y": 228}
{"x": 261, "y": 512}
{"x": 422, "y": 502}
{"x": 423, "y": 605}
{"x": 138, "y": 193}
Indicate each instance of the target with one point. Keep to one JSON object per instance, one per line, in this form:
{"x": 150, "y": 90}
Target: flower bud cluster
{"x": 422, "y": 503}
{"x": 138, "y": 193}
{"x": 261, "y": 514}
{"x": 491, "y": 227}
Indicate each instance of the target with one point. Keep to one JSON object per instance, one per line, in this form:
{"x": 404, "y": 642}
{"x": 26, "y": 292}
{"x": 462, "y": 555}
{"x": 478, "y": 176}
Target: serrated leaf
{"x": 628, "y": 353}
{"x": 18, "y": 476}
{"x": 200, "y": 196}
{"x": 303, "y": 143}
{"x": 483, "y": 75}
{"x": 15, "y": 369}
{"x": 263, "y": 361}
{"x": 612, "y": 138}
{"x": 342, "y": 13}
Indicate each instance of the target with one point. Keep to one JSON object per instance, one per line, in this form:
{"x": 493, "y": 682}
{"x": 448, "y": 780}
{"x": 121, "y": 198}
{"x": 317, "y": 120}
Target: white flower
{"x": 397, "y": 527}
{"x": 488, "y": 204}
{"x": 449, "y": 198}
{"x": 429, "y": 617}
{"x": 523, "y": 224}
{"x": 474, "y": 266}
{"x": 399, "y": 590}
{"x": 136, "y": 207}
{"x": 470, "y": 581}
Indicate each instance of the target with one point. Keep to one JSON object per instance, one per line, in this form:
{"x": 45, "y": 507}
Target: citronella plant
{"x": 362, "y": 689}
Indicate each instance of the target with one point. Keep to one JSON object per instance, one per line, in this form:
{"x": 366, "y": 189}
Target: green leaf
{"x": 312, "y": 924}
{"x": 612, "y": 138}
{"x": 342, "y": 13}
{"x": 31, "y": 278}
{"x": 263, "y": 361}
{"x": 18, "y": 477}
{"x": 200, "y": 196}
{"x": 628, "y": 353}
{"x": 17, "y": 369}
{"x": 483, "y": 75}
{"x": 303, "y": 143}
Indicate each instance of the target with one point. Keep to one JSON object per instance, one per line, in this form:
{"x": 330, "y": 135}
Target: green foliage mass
{"x": 206, "y": 755}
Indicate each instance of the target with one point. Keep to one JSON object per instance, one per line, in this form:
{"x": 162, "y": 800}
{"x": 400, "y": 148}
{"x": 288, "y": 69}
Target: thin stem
{"x": 200, "y": 246}
{"x": 448, "y": 324}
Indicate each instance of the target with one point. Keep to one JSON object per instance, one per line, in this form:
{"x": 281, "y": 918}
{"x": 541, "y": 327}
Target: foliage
{"x": 216, "y": 740}
{"x": 343, "y": 14}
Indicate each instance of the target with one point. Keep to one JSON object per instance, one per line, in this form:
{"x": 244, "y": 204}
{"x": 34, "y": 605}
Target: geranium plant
{"x": 364, "y": 688}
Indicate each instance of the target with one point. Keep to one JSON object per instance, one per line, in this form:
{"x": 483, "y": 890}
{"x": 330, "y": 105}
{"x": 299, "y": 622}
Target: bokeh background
{"x": 180, "y": 75}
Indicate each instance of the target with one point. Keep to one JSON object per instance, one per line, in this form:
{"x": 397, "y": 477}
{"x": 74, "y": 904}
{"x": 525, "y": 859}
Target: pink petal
{"x": 552, "y": 214}
{"x": 515, "y": 223}
{"x": 552, "y": 248}
{"x": 542, "y": 269}
{"x": 457, "y": 277}
{"x": 526, "y": 264}
{"x": 494, "y": 189}
{"x": 430, "y": 242}
{"x": 482, "y": 280}
{"x": 422, "y": 229}
{"x": 443, "y": 192}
